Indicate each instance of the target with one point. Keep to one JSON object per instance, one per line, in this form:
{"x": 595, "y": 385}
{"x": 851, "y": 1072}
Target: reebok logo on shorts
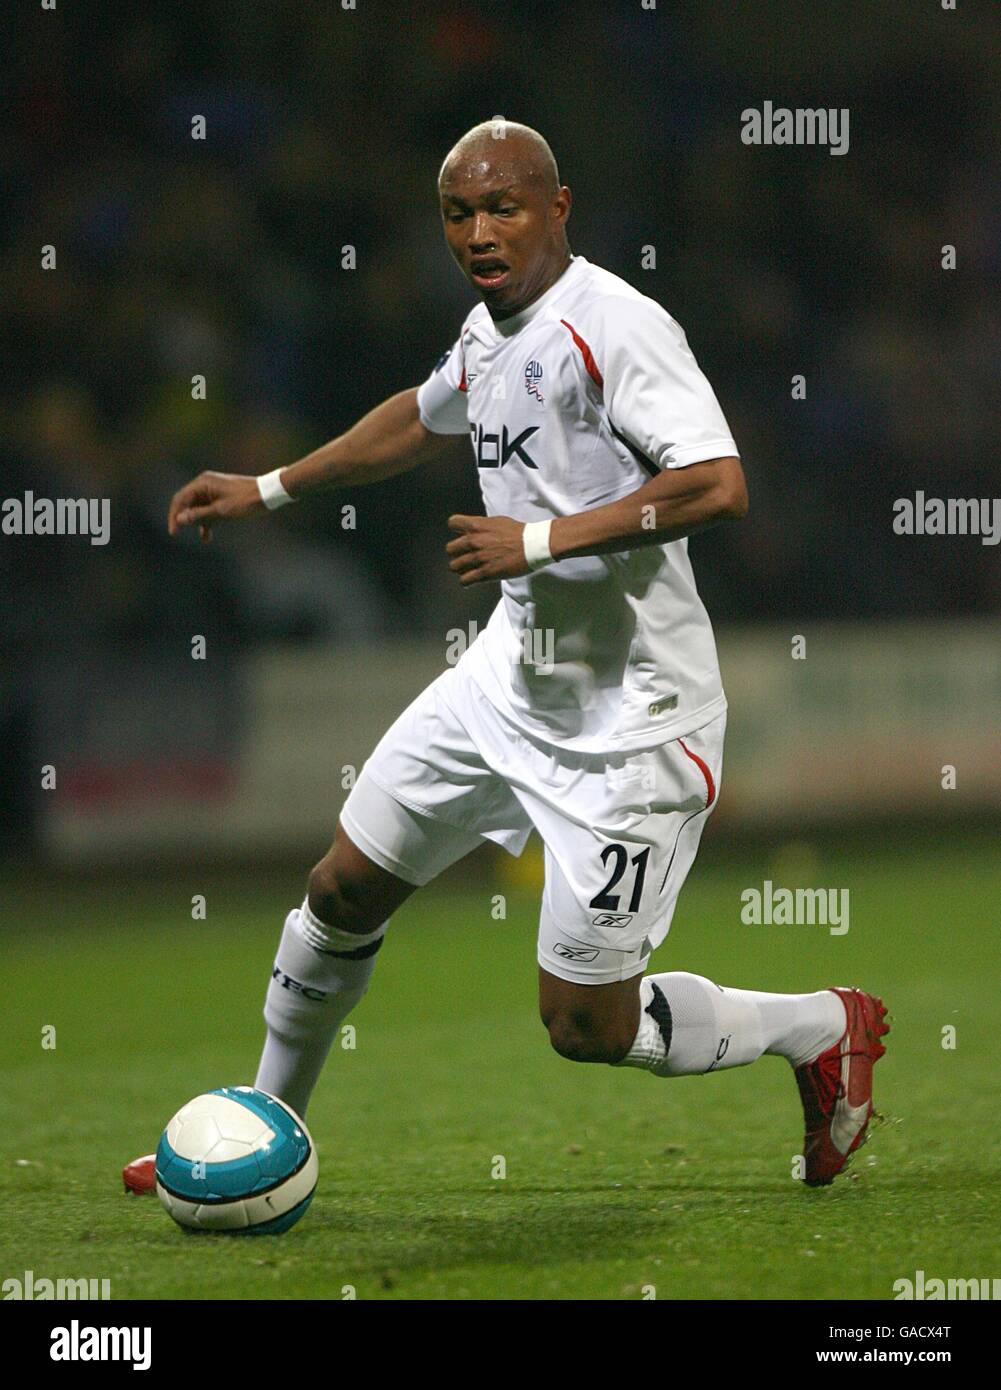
{"x": 612, "y": 919}
{"x": 575, "y": 952}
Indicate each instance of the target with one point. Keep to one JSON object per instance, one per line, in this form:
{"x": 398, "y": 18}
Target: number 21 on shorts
{"x": 608, "y": 900}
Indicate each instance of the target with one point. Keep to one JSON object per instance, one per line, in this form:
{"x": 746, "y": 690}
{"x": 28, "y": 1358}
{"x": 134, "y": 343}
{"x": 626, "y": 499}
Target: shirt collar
{"x": 505, "y": 328}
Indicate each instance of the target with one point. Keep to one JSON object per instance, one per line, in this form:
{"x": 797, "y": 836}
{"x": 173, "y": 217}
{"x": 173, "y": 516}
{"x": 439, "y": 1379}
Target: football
{"x": 236, "y": 1160}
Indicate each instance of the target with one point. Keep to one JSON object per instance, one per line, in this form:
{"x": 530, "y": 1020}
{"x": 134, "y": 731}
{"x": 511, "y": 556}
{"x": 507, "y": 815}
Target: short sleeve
{"x": 441, "y": 400}
{"x": 655, "y": 392}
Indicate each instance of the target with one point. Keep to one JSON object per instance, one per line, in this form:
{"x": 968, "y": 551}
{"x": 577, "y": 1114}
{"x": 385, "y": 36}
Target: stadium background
{"x": 325, "y": 129}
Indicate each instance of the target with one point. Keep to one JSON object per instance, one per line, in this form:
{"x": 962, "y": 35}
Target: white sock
{"x": 688, "y": 1024}
{"x": 319, "y": 975}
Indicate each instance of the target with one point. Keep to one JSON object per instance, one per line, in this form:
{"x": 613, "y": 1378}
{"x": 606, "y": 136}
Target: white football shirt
{"x": 574, "y": 402}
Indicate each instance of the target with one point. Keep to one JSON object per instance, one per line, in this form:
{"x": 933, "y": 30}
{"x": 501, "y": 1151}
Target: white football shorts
{"x": 620, "y": 831}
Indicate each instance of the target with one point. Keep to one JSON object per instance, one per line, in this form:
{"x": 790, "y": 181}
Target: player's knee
{"x": 581, "y": 1037}
{"x": 337, "y": 902}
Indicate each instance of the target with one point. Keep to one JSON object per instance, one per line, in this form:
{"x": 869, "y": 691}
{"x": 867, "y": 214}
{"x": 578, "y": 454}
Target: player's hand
{"x": 213, "y": 497}
{"x": 488, "y": 547}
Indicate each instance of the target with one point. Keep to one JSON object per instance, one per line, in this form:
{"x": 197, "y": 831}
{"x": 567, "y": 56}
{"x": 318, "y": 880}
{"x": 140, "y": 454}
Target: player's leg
{"x": 599, "y": 1007}
{"x": 831, "y": 1038}
{"x": 423, "y": 800}
{"x": 614, "y": 870}
{"x": 677, "y": 1024}
{"x": 323, "y": 965}
{"x": 673, "y": 1023}
{"x": 685, "y": 1022}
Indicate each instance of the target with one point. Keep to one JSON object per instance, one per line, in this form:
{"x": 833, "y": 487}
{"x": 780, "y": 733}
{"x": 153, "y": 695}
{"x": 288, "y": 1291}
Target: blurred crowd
{"x": 325, "y": 129}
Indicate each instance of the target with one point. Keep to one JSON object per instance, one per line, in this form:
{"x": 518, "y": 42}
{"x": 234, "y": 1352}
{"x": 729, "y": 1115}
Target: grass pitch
{"x": 615, "y": 1182}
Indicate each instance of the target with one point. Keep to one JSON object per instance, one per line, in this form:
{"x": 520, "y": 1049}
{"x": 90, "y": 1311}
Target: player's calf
{"x": 323, "y": 966}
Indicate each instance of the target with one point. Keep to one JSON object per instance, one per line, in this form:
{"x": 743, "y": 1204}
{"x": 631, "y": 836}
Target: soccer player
{"x": 591, "y": 706}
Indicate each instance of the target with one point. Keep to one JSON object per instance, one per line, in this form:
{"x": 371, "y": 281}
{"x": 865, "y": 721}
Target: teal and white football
{"x": 236, "y": 1160}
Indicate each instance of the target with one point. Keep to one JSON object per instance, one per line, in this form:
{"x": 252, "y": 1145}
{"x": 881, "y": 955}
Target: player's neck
{"x": 559, "y": 270}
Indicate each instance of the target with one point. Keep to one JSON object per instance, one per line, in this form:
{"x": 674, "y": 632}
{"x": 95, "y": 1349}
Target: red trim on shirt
{"x": 710, "y": 784}
{"x": 586, "y": 353}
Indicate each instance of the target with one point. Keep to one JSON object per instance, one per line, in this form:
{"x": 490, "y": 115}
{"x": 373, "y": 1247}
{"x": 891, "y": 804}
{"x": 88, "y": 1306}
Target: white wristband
{"x": 273, "y": 495}
{"x": 535, "y": 539}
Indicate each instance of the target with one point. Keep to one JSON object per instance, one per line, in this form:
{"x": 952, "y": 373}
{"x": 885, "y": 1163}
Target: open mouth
{"x": 489, "y": 273}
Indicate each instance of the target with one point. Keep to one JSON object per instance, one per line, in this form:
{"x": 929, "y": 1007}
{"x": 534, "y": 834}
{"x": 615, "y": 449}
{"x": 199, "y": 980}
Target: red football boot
{"x": 836, "y": 1088}
{"x": 140, "y": 1175}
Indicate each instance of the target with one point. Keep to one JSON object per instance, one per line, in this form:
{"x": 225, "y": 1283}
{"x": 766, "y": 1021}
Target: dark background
{"x": 326, "y": 128}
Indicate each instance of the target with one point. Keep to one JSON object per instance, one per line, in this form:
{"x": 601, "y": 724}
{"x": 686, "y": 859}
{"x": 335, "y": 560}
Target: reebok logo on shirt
{"x": 488, "y": 455}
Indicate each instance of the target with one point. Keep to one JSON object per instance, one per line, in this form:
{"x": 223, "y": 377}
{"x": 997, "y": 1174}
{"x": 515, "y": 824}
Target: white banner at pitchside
{"x": 854, "y": 720}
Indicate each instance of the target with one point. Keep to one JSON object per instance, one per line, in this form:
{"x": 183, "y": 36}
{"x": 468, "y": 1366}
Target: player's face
{"x": 506, "y": 236}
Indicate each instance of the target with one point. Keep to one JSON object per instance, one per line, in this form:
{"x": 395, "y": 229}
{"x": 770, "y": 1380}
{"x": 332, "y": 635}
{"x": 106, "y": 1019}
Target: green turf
{"x": 615, "y": 1181}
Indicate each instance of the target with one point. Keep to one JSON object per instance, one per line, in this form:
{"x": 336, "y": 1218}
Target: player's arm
{"x": 675, "y": 503}
{"x": 388, "y": 440}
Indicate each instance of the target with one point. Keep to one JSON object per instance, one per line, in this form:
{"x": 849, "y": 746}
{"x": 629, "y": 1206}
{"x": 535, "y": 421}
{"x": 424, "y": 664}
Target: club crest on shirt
{"x": 533, "y": 375}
